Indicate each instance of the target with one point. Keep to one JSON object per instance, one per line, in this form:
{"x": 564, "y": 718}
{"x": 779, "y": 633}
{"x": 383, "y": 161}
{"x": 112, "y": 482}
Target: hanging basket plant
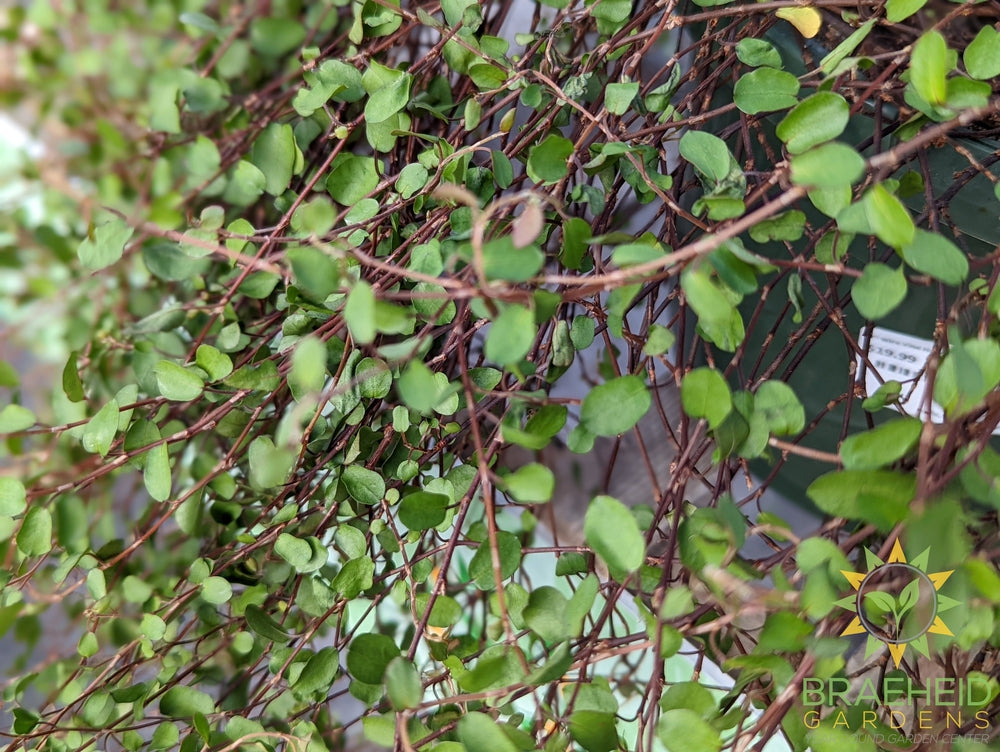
{"x": 446, "y": 376}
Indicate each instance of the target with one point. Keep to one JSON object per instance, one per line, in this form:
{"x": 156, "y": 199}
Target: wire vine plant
{"x": 327, "y": 264}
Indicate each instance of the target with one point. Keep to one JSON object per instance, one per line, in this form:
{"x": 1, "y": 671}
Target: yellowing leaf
{"x": 806, "y": 20}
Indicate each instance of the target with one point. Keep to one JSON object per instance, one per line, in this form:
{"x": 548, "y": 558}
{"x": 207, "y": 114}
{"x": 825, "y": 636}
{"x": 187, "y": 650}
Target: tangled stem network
{"x": 440, "y": 375}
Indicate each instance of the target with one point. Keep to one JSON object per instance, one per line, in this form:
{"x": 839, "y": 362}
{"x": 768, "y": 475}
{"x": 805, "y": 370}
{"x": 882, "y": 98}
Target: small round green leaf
{"x": 25, "y": 721}
{"x": 705, "y": 394}
{"x": 471, "y": 115}
{"x": 422, "y": 510}
{"x": 547, "y": 160}
{"x": 153, "y": 626}
{"x": 35, "y": 536}
{"x": 168, "y": 262}
{"x": 691, "y": 695}
{"x": 595, "y": 731}
{"x": 96, "y": 584}
{"x": 343, "y": 78}
{"x": 276, "y": 35}
{"x": 581, "y": 332}
{"x": 615, "y": 406}
{"x": 418, "y": 388}
{"x": 263, "y": 625}
{"x": 216, "y": 364}
{"x": 503, "y": 170}
{"x": 831, "y": 165}
{"x": 886, "y": 394}
{"x": 757, "y": 53}
{"x": 351, "y": 178}
{"x": 183, "y": 702}
{"x": 12, "y": 497}
{"x": 14, "y": 418}
{"x": 982, "y": 56}
{"x": 879, "y": 290}
{"x": 301, "y": 553}
{"x": 888, "y": 218}
{"x": 87, "y": 645}
{"x": 274, "y": 154}
{"x": 105, "y": 245}
{"x": 389, "y": 97}
{"x": 308, "y": 371}
{"x": 9, "y": 376}
{"x": 177, "y": 383}
{"x": 478, "y": 732}
{"x": 704, "y": 296}
{"x": 969, "y": 372}
{"x": 766, "y": 90}
{"x": 502, "y": 260}
{"x": 165, "y": 736}
{"x": 412, "y": 179}
{"x": 618, "y": 97}
{"x": 156, "y": 473}
{"x": 245, "y": 185}
{"x": 445, "y": 611}
{"x": 269, "y": 465}
{"x": 374, "y": 378}
{"x": 369, "y": 656}
{"x": 830, "y": 201}
{"x": 816, "y": 119}
{"x": 531, "y": 484}
{"x": 659, "y": 340}
{"x": 900, "y": 10}
{"x": 319, "y": 672}
{"x": 101, "y": 429}
{"x": 611, "y": 530}
{"x": 929, "y": 67}
{"x": 365, "y": 486}
{"x": 359, "y": 312}
{"x": 683, "y": 730}
{"x": 71, "y": 383}
{"x": 315, "y": 272}
{"x": 402, "y": 683}
{"x": 481, "y": 564}
{"x": 933, "y": 254}
{"x": 487, "y": 76}
{"x": 354, "y": 577}
{"x": 262, "y": 376}
{"x": 786, "y": 227}
{"x": 881, "y": 445}
{"x": 781, "y": 409}
{"x": 314, "y": 217}
{"x": 545, "y": 614}
{"x": 881, "y": 497}
{"x": 708, "y": 153}
{"x": 511, "y": 335}
{"x": 216, "y": 590}
{"x": 136, "y": 590}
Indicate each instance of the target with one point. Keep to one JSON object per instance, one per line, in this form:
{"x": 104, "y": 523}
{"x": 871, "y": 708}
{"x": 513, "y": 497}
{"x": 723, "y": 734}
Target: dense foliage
{"x": 309, "y": 268}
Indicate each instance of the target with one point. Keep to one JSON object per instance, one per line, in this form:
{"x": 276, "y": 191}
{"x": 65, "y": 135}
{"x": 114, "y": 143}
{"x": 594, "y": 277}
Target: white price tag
{"x": 901, "y": 357}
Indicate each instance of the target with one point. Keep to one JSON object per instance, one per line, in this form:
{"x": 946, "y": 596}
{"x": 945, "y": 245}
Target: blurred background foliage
{"x": 300, "y": 272}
